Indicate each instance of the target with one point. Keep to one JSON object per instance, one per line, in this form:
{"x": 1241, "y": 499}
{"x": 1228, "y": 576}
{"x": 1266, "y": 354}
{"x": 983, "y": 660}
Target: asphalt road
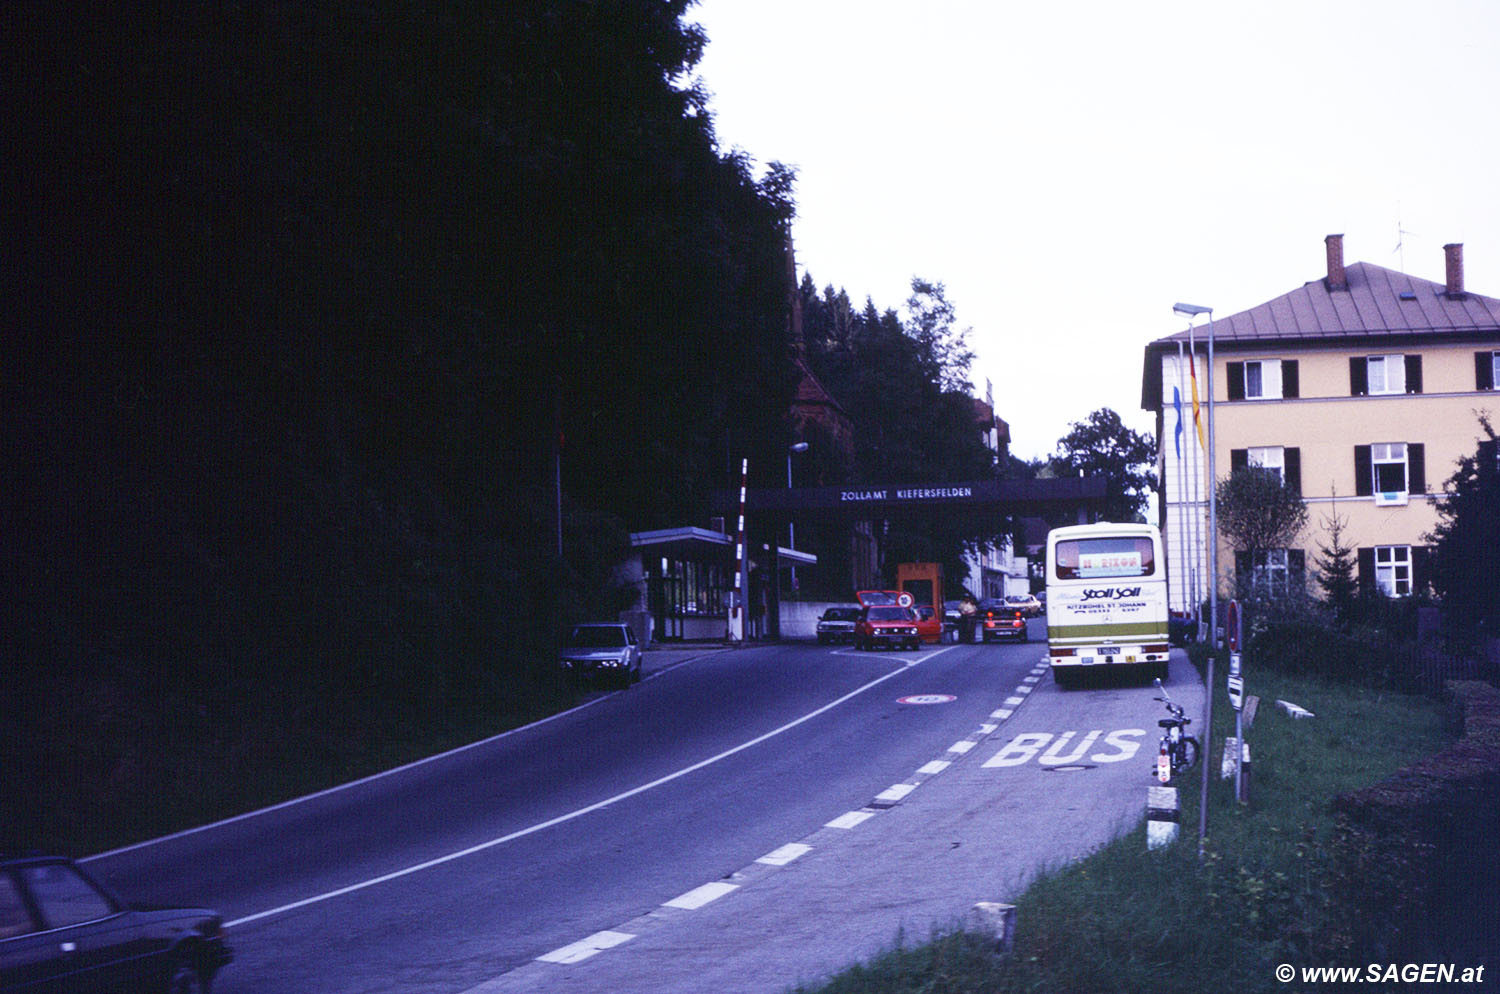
{"x": 743, "y": 821}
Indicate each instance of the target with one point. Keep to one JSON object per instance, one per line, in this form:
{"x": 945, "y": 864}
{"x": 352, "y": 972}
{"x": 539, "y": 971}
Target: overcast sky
{"x": 1071, "y": 170}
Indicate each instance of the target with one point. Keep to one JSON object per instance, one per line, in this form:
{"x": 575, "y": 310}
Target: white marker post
{"x": 1236, "y": 684}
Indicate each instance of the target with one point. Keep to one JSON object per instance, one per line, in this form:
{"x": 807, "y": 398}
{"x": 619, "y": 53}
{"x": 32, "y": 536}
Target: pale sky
{"x": 1071, "y": 170}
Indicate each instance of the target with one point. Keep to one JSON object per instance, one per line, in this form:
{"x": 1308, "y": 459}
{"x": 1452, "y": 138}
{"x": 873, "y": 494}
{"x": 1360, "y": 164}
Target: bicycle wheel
{"x": 1188, "y": 753}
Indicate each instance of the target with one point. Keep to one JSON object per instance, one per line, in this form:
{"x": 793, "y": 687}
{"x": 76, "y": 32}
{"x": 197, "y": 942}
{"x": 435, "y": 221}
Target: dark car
{"x": 62, "y": 931}
{"x": 837, "y": 624}
{"x": 889, "y": 625}
{"x": 606, "y": 649}
{"x": 1000, "y": 620}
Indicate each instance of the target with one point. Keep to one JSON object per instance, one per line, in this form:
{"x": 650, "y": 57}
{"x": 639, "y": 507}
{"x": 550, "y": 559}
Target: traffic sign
{"x": 1237, "y": 692}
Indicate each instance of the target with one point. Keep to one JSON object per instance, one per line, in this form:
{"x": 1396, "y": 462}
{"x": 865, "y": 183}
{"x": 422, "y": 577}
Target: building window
{"x": 1262, "y": 379}
{"x": 1272, "y": 572}
{"x": 1486, "y": 370}
{"x": 1389, "y": 471}
{"x": 1271, "y": 458}
{"x": 1387, "y": 374}
{"x": 1393, "y": 570}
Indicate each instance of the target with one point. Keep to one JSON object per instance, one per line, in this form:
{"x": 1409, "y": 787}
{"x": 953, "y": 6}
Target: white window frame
{"x": 1265, "y": 374}
{"x": 1389, "y": 454}
{"x": 1269, "y": 457}
{"x": 1389, "y": 371}
{"x": 1393, "y": 570}
{"x": 1269, "y": 571}
{"x": 1495, "y": 370}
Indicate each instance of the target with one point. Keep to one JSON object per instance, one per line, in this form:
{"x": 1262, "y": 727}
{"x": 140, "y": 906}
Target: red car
{"x": 889, "y": 625}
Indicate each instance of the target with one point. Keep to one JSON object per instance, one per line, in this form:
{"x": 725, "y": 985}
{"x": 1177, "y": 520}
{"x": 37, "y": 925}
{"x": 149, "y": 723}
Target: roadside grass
{"x": 1268, "y": 889}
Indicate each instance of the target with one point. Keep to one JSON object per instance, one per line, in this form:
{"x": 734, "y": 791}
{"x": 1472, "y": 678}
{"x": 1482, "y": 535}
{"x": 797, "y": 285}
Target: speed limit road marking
{"x": 928, "y": 699}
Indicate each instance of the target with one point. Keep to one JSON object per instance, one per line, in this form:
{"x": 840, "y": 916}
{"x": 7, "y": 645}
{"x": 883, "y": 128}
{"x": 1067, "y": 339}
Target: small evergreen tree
{"x": 1338, "y": 566}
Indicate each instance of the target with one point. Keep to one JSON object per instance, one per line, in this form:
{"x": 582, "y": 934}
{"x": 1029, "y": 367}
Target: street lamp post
{"x": 1191, "y": 311}
{"x": 791, "y": 526}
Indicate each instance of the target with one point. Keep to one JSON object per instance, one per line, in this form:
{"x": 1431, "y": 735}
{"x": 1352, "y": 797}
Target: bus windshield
{"x": 1090, "y": 558}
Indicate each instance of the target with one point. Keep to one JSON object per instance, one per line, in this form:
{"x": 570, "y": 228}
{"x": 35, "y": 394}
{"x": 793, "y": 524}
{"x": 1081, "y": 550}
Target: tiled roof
{"x": 1379, "y": 303}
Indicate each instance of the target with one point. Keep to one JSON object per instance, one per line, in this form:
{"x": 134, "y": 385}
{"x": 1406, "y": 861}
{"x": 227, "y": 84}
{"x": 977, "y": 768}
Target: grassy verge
{"x": 1268, "y": 890}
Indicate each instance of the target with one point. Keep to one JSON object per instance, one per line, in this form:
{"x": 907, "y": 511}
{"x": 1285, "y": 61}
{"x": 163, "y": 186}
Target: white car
{"x": 606, "y": 649}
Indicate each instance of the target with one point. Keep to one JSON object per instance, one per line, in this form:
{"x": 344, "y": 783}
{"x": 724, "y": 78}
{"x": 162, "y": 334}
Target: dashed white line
{"x": 962, "y": 747}
{"x": 786, "y": 854}
{"x": 850, "y": 819}
{"x": 581, "y": 950}
{"x": 699, "y": 896}
{"x": 936, "y": 766}
{"x": 895, "y": 792}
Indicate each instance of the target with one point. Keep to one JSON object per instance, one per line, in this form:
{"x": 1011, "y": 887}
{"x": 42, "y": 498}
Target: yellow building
{"x": 1361, "y": 389}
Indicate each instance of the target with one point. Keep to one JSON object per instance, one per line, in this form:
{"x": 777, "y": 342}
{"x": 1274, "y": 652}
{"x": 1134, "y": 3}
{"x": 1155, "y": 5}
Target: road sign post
{"x": 1236, "y": 687}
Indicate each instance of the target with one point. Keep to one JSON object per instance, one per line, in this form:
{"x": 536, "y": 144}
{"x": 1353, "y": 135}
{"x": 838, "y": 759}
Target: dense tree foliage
{"x": 905, "y": 386}
{"x": 1101, "y": 445}
{"x": 1465, "y": 559}
{"x": 305, "y": 298}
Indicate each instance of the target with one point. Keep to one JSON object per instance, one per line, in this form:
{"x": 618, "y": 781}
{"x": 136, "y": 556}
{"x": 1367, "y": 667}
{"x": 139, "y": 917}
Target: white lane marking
{"x": 987, "y": 728}
{"x": 581, "y": 950}
{"x": 786, "y": 854}
{"x": 1014, "y": 702}
{"x": 699, "y": 896}
{"x": 961, "y": 747}
{"x": 895, "y": 792}
{"x": 1002, "y": 714}
{"x": 934, "y": 767}
{"x": 850, "y": 819}
{"x": 1023, "y": 689}
{"x": 580, "y": 812}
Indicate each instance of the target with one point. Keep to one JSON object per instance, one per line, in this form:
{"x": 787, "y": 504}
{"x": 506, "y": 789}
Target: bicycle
{"x": 1178, "y": 751}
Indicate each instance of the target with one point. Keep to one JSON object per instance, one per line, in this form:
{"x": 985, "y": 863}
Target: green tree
{"x": 1465, "y": 560}
{"x": 1258, "y": 513}
{"x": 1338, "y": 568}
{"x": 1101, "y": 445}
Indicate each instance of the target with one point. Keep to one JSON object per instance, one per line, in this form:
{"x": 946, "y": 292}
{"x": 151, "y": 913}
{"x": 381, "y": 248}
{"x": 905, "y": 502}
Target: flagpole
{"x": 1182, "y": 507}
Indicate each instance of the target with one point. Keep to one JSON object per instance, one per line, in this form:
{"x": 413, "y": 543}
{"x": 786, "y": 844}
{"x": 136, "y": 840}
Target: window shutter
{"x": 1293, "y": 461}
{"x": 1484, "y": 370}
{"x": 1238, "y": 459}
{"x": 1242, "y": 566}
{"x": 1289, "y": 383}
{"x": 1420, "y": 560}
{"x": 1416, "y": 468}
{"x": 1413, "y": 374}
{"x": 1367, "y": 571}
{"x": 1364, "y": 473}
{"x": 1359, "y": 376}
{"x": 1236, "y": 380}
{"x": 1296, "y": 568}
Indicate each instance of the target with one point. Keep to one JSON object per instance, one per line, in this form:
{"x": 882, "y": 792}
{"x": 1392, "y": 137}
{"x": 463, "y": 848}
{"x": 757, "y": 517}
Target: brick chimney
{"x": 1337, "y": 280}
{"x": 1454, "y": 253}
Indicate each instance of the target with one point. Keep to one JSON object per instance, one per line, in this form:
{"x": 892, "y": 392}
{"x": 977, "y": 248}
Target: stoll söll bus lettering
{"x": 1106, "y": 600}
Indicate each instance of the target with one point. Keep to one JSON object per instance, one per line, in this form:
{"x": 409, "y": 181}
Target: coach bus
{"x": 1106, "y": 600}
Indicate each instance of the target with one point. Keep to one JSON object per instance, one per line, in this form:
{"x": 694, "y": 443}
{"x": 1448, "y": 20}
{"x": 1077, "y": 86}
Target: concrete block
{"x": 998, "y": 920}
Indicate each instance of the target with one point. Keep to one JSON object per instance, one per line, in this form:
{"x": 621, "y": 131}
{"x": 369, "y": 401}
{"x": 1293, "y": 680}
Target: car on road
{"x": 1028, "y": 604}
{"x": 63, "y": 931}
{"x": 889, "y": 625}
{"x": 929, "y": 623}
{"x": 837, "y": 624}
{"x": 602, "y": 649}
{"x": 998, "y": 619}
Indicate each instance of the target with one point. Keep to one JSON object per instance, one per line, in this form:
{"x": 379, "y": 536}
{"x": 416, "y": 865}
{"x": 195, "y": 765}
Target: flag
{"x": 1177, "y": 433}
{"x": 1197, "y": 418}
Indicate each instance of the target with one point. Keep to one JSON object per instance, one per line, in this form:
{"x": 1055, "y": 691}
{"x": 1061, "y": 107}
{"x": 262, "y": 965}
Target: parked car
{"x": 1028, "y": 604}
{"x": 836, "y": 624}
{"x": 63, "y": 931}
{"x": 929, "y": 624}
{"x": 602, "y": 649}
{"x": 999, "y": 619}
{"x": 889, "y": 625}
